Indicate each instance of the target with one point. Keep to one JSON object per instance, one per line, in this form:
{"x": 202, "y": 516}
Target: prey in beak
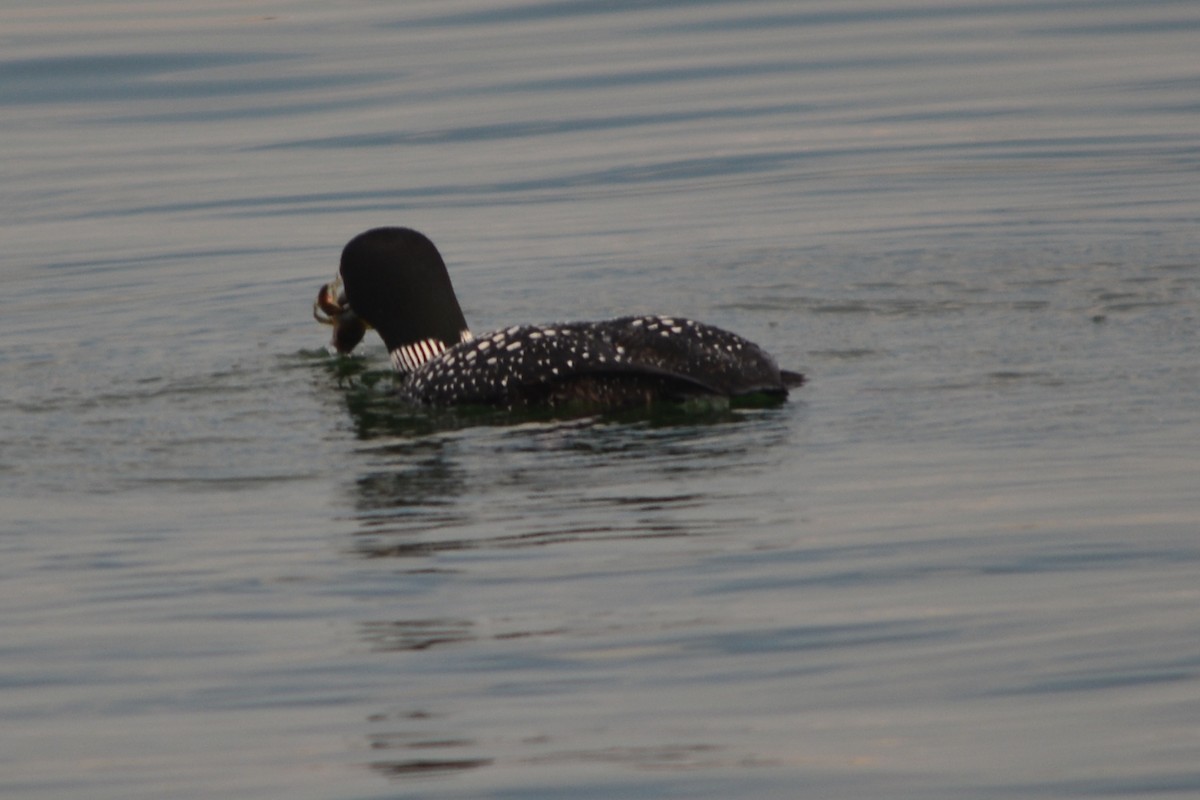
{"x": 330, "y": 308}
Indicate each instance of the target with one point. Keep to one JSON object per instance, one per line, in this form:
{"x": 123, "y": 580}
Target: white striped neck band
{"x": 411, "y": 357}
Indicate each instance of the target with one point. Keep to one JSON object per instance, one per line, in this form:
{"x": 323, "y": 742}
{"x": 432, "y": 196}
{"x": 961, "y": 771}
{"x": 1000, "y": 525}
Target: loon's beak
{"x": 331, "y": 308}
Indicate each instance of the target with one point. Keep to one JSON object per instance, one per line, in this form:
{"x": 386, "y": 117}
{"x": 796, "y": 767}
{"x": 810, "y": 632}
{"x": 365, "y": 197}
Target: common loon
{"x": 394, "y": 280}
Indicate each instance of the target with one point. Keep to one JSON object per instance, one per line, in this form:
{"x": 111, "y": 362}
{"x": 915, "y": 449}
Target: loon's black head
{"x": 395, "y": 281}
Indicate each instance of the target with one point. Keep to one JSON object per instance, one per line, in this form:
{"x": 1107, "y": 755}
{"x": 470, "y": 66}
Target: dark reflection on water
{"x": 444, "y": 480}
{"x": 417, "y": 738}
{"x": 424, "y": 768}
{"x": 374, "y": 548}
{"x": 417, "y": 750}
{"x": 419, "y": 634}
{"x": 422, "y": 496}
{"x": 433, "y": 483}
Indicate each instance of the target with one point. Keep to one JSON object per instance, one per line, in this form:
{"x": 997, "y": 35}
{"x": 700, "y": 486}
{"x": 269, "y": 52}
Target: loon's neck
{"x": 411, "y": 357}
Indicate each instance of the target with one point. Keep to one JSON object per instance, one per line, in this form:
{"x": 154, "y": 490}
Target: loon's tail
{"x": 792, "y": 380}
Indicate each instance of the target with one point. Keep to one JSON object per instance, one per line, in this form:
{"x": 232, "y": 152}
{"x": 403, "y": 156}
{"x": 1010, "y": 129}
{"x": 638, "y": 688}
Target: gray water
{"x": 962, "y": 562}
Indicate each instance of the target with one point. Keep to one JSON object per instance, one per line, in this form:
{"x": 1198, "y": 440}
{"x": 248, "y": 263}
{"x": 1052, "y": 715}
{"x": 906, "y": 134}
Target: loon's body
{"x": 394, "y": 280}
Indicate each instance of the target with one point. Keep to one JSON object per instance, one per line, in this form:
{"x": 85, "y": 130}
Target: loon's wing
{"x": 728, "y": 363}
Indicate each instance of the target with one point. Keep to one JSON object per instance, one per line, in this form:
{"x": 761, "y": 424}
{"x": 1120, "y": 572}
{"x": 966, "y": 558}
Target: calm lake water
{"x": 963, "y": 562}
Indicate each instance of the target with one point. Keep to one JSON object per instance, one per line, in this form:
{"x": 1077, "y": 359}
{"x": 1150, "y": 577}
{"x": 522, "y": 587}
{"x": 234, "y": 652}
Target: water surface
{"x": 961, "y": 563}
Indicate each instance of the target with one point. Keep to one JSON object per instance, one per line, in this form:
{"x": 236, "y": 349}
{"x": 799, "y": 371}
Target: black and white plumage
{"x": 394, "y": 280}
